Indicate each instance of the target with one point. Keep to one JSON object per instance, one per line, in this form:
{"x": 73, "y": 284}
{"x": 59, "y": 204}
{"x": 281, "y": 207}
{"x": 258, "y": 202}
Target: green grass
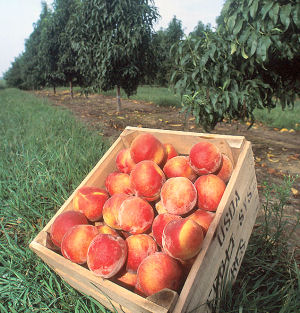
{"x": 44, "y": 155}
{"x": 161, "y": 96}
{"x": 2, "y": 84}
{"x": 289, "y": 118}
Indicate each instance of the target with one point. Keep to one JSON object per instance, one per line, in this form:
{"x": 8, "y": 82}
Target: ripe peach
{"x": 178, "y": 195}
{"x": 124, "y": 162}
{"x": 104, "y": 229}
{"x": 210, "y": 190}
{"x": 106, "y": 255}
{"x": 90, "y": 201}
{"x": 158, "y": 271}
{"x": 170, "y": 151}
{"x": 139, "y": 247}
{"x": 226, "y": 169}
{"x": 147, "y": 147}
{"x": 205, "y": 158}
{"x": 146, "y": 180}
{"x": 182, "y": 239}
{"x": 159, "y": 224}
{"x": 160, "y": 208}
{"x": 63, "y": 223}
{"x": 179, "y": 166}
{"x": 126, "y": 279}
{"x": 111, "y": 209}
{"x": 135, "y": 215}
{"x": 118, "y": 183}
{"x": 76, "y": 241}
{"x": 203, "y": 218}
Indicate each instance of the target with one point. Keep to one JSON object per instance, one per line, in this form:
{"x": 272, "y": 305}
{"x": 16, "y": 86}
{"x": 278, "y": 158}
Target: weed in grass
{"x": 269, "y": 278}
{"x": 45, "y": 154}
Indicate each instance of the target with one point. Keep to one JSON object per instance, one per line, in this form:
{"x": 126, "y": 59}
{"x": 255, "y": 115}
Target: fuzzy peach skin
{"x": 105, "y": 229}
{"x": 179, "y": 166}
{"x": 126, "y": 279}
{"x": 147, "y": 147}
{"x": 170, "y": 151}
{"x": 226, "y": 169}
{"x": 76, "y": 241}
{"x": 135, "y": 215}
{"x": 158, "y": 271}
{"x": 139, "y": 247}
{"x": 106, "y": 255}
{"x": 178, "y": 195}
{"x": 182, "y": 239}
{"x": 205, "y": 158}
{"x": 203, "y": 218}
{"x": 146, "y": 180}
{"x": 124, "y": 162}
{"x": 118, "y": 183}
{"x": 63, "y": 223}
{"x": 111, "y": 209}
{"x": 90, "y": 201}
{"x": 210, "y": 190}
{"x": 159, "y": 223}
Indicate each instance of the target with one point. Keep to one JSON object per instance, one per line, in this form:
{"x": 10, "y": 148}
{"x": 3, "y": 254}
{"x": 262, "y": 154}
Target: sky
{"x": 18, "y": 16}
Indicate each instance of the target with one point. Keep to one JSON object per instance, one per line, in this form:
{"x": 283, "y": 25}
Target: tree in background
{"x": 112, "y": 39}
{"x": 163, "y": 40}
{"x": 201, "y": 29}
{"x": 251, "y": 61}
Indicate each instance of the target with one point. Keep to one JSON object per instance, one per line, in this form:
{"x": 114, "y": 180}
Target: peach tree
{"x": 250, "y": 61}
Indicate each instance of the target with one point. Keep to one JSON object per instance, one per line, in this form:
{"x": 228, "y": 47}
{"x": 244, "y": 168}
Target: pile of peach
{"x": 146, "y": 227}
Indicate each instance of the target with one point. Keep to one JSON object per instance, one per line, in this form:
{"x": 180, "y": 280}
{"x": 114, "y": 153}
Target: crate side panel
{"x": 228, "y": 242}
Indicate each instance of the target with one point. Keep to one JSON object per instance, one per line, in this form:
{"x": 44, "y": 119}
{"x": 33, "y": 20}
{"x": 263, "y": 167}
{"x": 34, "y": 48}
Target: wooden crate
{"x": 223, "y": 247}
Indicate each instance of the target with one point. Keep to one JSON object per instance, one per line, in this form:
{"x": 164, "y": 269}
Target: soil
{"x": 277, "y": 152}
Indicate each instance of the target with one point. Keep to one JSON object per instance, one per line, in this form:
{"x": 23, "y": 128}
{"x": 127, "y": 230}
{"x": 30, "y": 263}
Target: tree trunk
{"x": 71, "y": 89}
{"x": 54, "y": 89}
{"x": 118, "y": 99}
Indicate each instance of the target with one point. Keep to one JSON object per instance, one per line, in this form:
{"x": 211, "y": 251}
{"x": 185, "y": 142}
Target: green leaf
{"x": 285, "y": 12}
{"x": 273, "y": 13}
{"x": 233, "y": 47}
{"x": 238, "y": 27}
{"x": 253, "y": 8}
{"x": 295, "y": 15}
{"x": 244, "y": 55}
{"x": 266, "y": 8}
{"x": 231, "y": 22}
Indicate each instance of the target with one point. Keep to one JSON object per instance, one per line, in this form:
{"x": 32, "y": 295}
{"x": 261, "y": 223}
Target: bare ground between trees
{"x": 276, "y": 153}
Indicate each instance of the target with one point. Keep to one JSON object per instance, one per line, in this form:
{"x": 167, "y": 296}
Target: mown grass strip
{"x": 45, "y": 154}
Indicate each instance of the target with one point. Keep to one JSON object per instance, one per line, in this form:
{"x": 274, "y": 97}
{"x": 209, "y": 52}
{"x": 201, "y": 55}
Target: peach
{"x": 106, "y": 255}
{"x": 178, "y": 195}
{"x": 158, "y": 271}
{"x": 118, "y": 183}
{"x": 63, "y": 222}
{"x": 179, "y": 166}
{"x": 210, "y": 190}
{"x": 160, "y": 208}
{"x": 187, "y": 265}
{"x": 124, "y": 162}
{"x": 147, "y": 147}
{"x": 135, "y": 215}
{"x": 182, "y": 239}
{"x": 104, "y": 229}
{"x": 111, "y": 209}
{"x": 76, "y": 241}
{"x": 203, "y": 218}
{"x": 126, "y": 279}
{"x": 159, "y": 224}
{"x": 139, "y": 247}
{"x": 205, "y": 158}
{"x": 170, "y": 151}
{"x": 90, "y": 201}
{"x": 146, "y": 180}
{"x": 226, "y": 169}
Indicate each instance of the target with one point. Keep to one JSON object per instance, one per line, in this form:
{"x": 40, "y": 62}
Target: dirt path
{"x": 276, "y": 153}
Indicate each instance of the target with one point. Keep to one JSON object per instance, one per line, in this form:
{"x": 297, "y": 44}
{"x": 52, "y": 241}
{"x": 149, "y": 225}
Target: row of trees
{"x": 250, "y": 60}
